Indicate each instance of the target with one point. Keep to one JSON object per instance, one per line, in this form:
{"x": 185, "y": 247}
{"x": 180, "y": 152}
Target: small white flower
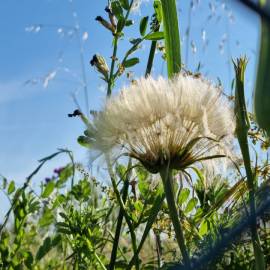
{"x": 179, "y": 121}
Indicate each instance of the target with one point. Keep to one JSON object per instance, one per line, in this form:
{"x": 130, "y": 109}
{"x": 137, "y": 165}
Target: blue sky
{"x": 36, "y": 43}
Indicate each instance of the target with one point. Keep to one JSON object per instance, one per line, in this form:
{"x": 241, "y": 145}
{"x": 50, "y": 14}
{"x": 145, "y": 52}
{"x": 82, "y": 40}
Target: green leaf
{"x": 48, "y": 190}
{"x": 143, "y": 25}
{"x": 120, "y": 24}
{"x": 58, "y": 201}
{"x": 129, "y": 22}
{"x": 121, "y": 170}
{"x": 138, "y": 206}
{"x": 151, "y": 219}
{"x": 63, "y": 215}
{"x": 64, "y": 230}
{"x": 46, "y": 219}
{"x": 4, "y": 182}
{"x": 84, "y": 141}
{"x": 28, "y": 259}
{"x": 199, "y": 173}
{"x": 158, "y": 10}
{"x": 155, "y": 36}
{"x": 262, "y": 92}
{"x": 56, "y": 240}
{"x": 11, "y": 187}
{"x": 131, "y": 62}
{"x": 135, "y": 40}
{"x": 203, "y": 228}
{"x": 43, "y": 249}
{"x": 191, "y": 205}
{"x": 34, "y": 206}
{"x": 124, "y": 4}
{"x": 64, "y": 175}
{"x": 183, "y": 196}
{"x": 117, "y": 9}
{"x": 171, "y": 35}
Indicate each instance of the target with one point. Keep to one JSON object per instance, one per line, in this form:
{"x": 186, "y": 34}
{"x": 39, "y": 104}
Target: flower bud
{"x": 111, "y": 17}
{"x": 106, "y": 24}
{"x": 100, "y": 64}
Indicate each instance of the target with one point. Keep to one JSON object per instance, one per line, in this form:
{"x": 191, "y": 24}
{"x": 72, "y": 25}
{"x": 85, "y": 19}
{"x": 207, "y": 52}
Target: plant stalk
{"x": 119, "y": 223}
{"x": 127, "y": 218}
{"x": 172, "y": 37}
{"x": 152, "y": 217}
{"x": 242, "y": 127}
{"x": 115, "y": 45}
{"x": 110, "y": 81}
{"x": 150, "y": 58}
{"x": 166, "y": 175}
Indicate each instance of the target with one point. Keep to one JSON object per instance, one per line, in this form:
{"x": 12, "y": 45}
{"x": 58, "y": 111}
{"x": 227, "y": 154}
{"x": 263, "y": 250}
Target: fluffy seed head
{"x": 179, "y": 121}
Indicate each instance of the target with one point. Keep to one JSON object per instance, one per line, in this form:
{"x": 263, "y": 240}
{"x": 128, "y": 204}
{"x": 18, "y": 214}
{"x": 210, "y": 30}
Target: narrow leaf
{"x": 11, "y": 187}
{"x": 203, "y": 228}
{"x": 262, "y": 92}
{"x": 171, "y": 35}
{"x": 155, "y": 36}
{"x": 84, "y": 141}
{"x": 191, "y": 205}
{"x": 117, "y": 9}
{"x": 129, "y": 22}
{"x": 158, "y": 10}
{"x": 48, "y": 190}
{"x": 143, "y": 25}
{"x": 120, "y": 24}
{"x": 43, "y": 249}
{"x": 124, "y": 4}
{"x": 183, "y": 196}
{"x": 131, "y": 62}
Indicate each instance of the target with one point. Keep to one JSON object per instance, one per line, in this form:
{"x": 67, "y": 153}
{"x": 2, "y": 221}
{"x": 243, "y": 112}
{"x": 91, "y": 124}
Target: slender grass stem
{"x": 151, "y": 55}
{"x": 158, "y": 249}
{"x": 100, "y": 261}
{"x": 242, "y": 127}
{"x": 166, "y": 175}
{"x": 150, "y": 58}
{"x": 127, "y": 218}
{"x": 152, "y": 217}
{"x": 26, "y": 185}
{"x": 110, "y": 81}
{"x": 119, "y": 223}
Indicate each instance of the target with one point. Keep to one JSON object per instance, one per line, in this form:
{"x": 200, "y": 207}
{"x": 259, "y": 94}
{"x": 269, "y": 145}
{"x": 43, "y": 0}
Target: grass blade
{"x": 172, "y": 37}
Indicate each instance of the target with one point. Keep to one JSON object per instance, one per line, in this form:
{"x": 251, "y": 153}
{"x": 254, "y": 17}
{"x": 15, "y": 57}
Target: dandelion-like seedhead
{"x": 159, "y": 122}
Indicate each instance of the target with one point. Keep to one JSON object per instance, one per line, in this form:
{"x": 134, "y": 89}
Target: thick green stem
{"x": 166, "y": 175}
{"x": 171, "y": 35}
{"x": 242, "y": 127}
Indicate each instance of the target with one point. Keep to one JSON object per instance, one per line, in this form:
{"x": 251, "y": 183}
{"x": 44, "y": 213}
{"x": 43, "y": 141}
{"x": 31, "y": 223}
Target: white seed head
{"x": 182, "y": 120}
